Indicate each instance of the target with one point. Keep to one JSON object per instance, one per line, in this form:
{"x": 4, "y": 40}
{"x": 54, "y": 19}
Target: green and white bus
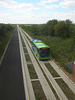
{"x": 41, "y": 50}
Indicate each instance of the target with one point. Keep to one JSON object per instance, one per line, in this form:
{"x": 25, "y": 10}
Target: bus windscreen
{"x": 44, "y": 52}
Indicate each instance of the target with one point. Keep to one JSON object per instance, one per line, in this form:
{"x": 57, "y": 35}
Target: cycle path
{"x": 11, "y": 80}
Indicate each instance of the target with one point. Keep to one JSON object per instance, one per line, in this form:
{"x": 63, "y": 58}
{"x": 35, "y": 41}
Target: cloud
{"x": 31, "y": 18}
{"x": 10, "y": 4}
{"x": 63, "y": 16}
{"x": 44, "y": 2}
{"x": 14, "y": 12}
{"x": 62, "y": 4}
{"x": 52, "y": 6}
{"x": 67, "y": 3}
{"x": 7, "y": 3}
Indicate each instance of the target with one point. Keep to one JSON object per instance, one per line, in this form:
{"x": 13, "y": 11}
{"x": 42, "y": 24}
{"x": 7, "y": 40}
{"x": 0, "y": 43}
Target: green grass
{"x": 32, "y": 72}
{"x": 38, "y": 91}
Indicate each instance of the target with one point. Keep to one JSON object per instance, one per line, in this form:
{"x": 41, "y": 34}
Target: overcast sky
{"x": 36, "y": 11}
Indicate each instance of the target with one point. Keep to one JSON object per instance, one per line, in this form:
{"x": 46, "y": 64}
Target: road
{"x": 11, "y": 80}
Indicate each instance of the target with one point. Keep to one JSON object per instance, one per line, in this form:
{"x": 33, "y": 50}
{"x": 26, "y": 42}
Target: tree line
{"x": 63, "y": 29}
{"x": 4, "y": 28}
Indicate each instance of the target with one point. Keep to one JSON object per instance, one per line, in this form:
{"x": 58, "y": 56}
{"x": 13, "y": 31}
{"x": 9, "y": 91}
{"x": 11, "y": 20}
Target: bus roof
{"x": 39, "y": 44}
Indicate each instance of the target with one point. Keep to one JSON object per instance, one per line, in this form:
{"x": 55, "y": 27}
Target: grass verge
{"x": 51, "y": 70}
{"x": 27, "y": 58}
{"x": 39, "y": 94}
{"x": 32, "y": 72}
{"x": 25, "y": 50}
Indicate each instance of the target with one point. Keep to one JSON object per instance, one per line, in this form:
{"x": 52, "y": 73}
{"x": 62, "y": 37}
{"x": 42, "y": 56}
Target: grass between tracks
{"x": 70, "y": 95}
{"x": 39, "y": 94}
{"x": 51, "y": 70}
{"x": 38, "y": 91}
{"x": 32, "y": 72}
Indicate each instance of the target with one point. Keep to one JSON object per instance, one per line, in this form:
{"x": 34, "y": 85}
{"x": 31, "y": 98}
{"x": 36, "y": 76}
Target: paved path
{"x": 11, "y": 81}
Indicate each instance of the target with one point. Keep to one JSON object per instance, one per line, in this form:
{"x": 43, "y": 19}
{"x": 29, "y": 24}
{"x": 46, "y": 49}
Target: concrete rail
{"x": 58, "y": 90}
{"x": 26, "y": 78}
{"x": 46, "y": 88}
{"x": 64, "y": 76}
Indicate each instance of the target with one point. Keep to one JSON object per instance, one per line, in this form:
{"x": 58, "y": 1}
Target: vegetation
{"x": 51, "y": 70}
{"x": 59, "y": 35}
{"x": 38, "y": 91}
{"x": 5, "y": 34}
{"x": 32, "y": 71}
{"x": 62, "y": 29}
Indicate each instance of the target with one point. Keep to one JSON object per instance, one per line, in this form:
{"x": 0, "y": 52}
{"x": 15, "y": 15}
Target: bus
{"x": 41, "y": 50}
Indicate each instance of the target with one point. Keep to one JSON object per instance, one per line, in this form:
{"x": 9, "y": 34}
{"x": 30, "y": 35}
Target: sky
{"x": 36, "y": 11}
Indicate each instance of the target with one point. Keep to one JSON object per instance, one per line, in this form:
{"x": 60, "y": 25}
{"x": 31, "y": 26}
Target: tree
{"x": 62, "y": 29}
{"x": 51, "y": 27}
{"x": 43, "y": 30}
{"x": 68, "y": 27}
{"x": 2, "y": 30}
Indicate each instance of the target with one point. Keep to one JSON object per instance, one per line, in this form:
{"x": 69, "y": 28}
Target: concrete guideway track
{"x": 64, "y": 76}
{"x": 48, "y": 92}
{"x": 59, "y": 71}
{"x": 26, "y": 79}
{"x": 55, "y": 85}
{"x": 53, "y": 82}
{"x": 58, "y": 90}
